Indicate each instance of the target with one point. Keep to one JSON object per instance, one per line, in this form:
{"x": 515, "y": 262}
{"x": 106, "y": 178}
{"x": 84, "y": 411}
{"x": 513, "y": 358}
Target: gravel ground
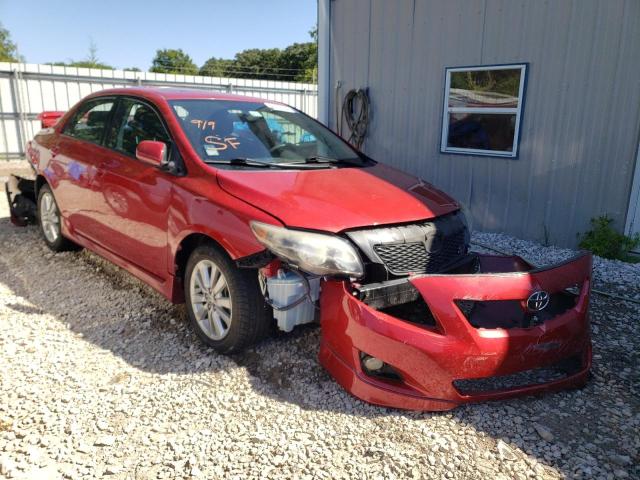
{"x": 99, "y": 376}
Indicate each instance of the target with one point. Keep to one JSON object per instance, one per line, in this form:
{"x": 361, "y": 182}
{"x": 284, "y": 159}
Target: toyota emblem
{"x": 538, "y": 301}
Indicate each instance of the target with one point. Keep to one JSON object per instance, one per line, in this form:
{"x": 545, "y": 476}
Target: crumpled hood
{"x": 338, "y": 199}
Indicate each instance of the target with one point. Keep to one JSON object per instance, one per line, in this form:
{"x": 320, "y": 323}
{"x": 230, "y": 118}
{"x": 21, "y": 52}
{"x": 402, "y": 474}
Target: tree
{"x": 257, "y": 63}
{"x": 93, "y": 52}
{"x": 311, "y": 71}
{"x": 173, "y": 61}
{"x": 298, "y": 62}
{"x": 217, "y": 67}
{"x": 91, "y": 61}
{"x": 89, "y": 64}
{"x": 8, "y": 49}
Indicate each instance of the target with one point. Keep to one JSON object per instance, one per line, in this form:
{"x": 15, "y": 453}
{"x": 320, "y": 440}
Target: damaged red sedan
{"x": 256, "y": 216}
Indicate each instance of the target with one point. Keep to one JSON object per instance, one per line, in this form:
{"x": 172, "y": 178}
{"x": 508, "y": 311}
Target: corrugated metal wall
{"x": 28, "y": 89}
{"x": 581, "y": 121}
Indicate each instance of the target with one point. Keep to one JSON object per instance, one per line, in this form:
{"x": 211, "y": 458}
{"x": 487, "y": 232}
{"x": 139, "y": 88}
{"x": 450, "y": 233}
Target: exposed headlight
{"x": 314, "y": 253}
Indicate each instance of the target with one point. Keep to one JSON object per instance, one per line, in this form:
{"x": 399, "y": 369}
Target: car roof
{"x": 168, "y": 93}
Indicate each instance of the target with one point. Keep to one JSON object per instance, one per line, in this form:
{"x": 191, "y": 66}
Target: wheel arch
{"x": 40, "y": 181}
{"x": 187, "y": 245}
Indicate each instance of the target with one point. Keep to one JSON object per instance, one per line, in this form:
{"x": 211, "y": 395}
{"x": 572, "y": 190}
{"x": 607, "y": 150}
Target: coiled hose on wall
{"x": 355, "y": 111}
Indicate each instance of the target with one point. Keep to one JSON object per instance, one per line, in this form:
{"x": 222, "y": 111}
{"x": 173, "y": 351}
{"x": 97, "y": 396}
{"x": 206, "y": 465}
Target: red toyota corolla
{"x": 256, "y": 215}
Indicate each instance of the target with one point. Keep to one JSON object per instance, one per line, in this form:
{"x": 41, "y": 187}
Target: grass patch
{"x": 605, "y": 241}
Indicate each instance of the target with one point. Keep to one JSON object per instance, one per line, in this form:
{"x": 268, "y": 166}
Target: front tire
{"x": 224, "y": 303}
{"x": 50, "y": 222}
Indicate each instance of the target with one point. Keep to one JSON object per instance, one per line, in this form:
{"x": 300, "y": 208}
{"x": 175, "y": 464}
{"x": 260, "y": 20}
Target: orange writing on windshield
{"x": 203, "y": 124}
{"x": 222, "y": 144}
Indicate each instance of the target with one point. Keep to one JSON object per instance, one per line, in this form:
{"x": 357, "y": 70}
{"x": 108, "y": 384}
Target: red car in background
{"x": 256, "y": 215}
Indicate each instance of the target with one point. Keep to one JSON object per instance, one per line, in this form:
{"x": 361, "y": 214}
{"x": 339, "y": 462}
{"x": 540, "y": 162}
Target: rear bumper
{"x": 431, "y": 361}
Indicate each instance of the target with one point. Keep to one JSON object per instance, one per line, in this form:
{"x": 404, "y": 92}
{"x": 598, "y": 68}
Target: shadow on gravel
{"x": 103, "y": 305}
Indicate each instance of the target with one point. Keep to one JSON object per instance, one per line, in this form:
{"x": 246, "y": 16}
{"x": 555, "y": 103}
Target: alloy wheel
{"x": 49, "y": 217}
{"x": 211, "y": 299}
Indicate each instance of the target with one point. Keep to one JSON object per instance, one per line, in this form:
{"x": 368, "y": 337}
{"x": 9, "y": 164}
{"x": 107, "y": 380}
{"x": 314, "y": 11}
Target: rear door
{"x": 76, "y": 157}
{"x": 137, "y": 195}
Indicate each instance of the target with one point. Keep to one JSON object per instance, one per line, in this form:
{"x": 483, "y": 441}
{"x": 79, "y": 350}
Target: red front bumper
{"x": 430, "y": 359}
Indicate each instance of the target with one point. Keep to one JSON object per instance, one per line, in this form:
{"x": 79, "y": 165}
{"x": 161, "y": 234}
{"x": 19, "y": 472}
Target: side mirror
{"x": 152, "y": 152}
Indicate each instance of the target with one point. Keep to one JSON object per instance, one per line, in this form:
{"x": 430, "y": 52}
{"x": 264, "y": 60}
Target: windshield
{"x": 221, "y": 131}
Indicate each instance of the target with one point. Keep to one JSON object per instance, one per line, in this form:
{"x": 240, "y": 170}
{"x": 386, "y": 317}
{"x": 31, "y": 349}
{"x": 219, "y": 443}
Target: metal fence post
{"x": 17, "y": 107}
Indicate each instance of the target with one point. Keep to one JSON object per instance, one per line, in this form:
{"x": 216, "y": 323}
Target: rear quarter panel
{"x": 39, "y": 151}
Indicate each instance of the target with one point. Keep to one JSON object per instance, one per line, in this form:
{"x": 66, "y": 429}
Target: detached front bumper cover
{"x": 454, "y": 360}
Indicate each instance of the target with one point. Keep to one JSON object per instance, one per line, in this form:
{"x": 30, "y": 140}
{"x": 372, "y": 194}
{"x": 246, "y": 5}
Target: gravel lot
{"x": 99, "y": 376}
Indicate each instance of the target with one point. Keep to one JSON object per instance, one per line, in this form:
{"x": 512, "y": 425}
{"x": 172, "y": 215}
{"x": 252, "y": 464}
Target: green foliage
{"x": 604, "y": 241}
{"x": 8, "y": 49}
{"x": 506, "y": 82}
{"x": 258, "y": 63}
{"x": 301, "y": 59}
{"x": 173, "y": 61}
{"x": 216, "y": 67}
{"x": 88, "y": 64}
{"x": 91, "y": 61}
{"x": 313, "y": 33}
{"x": 81, "y": 64}
{"x": 296, "y": 63}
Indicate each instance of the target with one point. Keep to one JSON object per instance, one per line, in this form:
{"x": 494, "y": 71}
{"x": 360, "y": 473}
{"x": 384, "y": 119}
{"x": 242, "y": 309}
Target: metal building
{"x": 537, "y": 133}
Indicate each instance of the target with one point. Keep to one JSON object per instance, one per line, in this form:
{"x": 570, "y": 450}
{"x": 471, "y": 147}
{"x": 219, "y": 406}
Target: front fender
{"x": 220, "y": 217}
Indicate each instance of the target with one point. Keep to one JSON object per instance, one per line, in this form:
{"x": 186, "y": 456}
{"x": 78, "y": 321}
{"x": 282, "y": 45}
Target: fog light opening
{"x": 375, "y": 367}
{"x": 372, "y": 363}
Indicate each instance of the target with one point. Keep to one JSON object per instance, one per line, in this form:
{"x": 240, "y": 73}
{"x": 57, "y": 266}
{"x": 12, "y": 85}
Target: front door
{"x": 136, "y": 195}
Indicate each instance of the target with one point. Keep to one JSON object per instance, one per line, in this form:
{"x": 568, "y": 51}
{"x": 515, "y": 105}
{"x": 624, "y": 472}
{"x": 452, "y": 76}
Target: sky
{"x": 128, "y": 33}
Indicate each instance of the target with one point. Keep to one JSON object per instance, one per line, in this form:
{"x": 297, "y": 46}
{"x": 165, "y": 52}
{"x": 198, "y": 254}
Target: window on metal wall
{"x": 482, "y": 110}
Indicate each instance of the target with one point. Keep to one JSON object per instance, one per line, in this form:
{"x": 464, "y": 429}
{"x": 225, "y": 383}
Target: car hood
{"x": 334, "y": 200}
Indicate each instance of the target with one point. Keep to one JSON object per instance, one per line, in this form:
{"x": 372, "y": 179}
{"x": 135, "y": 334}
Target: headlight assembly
{"x": 315, "y": 253}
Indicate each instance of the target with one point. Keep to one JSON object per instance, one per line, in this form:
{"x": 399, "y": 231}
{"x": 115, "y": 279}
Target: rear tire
{"x": 224, "y": 303}
{"x": 50, "y": 222}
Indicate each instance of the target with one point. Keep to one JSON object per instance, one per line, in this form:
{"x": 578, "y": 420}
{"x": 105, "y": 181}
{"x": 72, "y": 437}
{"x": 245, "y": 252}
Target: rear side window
{"x": 134, "y": 122}
{"x": 90, "y": 121}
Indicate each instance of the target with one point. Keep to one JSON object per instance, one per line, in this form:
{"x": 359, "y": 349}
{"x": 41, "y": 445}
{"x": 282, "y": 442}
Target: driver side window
{"x": 134, "y": 122}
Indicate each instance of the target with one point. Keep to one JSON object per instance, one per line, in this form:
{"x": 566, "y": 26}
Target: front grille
{"x": 535, "y": 376}
{"x": 406, "y": 258}
{"x": 426, "y": 247}
{"x": 508, "y": 314}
